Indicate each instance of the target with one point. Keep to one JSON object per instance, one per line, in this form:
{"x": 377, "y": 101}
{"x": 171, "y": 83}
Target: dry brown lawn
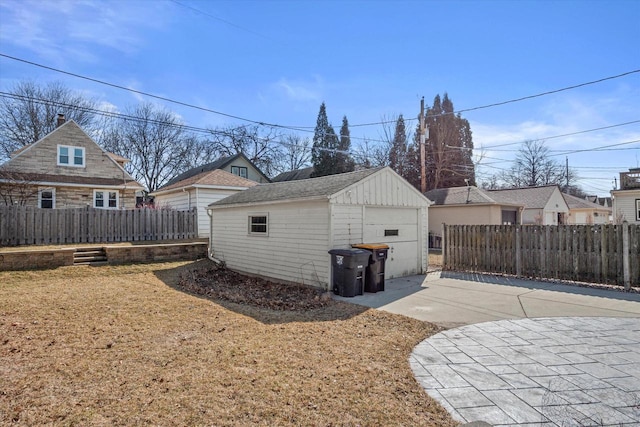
{"x": 125, "y": 346}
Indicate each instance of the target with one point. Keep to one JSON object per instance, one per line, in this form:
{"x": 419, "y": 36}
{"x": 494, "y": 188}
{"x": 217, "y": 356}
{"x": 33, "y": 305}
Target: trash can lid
{"x": 370, "y": 246}
{"x": 348, "y": 252}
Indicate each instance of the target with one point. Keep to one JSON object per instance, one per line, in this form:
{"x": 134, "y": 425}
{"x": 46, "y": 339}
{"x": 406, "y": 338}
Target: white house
{"x": 542, "y": 205}
{"x": 284, "y": 230}
{"x": 582, "y": 211}
{"x": 199, "y": 191}
{"x": 626, "y": 200}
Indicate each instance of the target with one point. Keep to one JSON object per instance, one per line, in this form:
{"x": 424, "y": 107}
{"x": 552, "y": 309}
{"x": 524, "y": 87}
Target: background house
{"x": 626, "y": 200}
{"x": 237, "y": 164}
{"x": 468, "y": 205}
{"x": 67, "y": 169}
{"x": 199, "y": 191}
{"x": 582, "y": 211}
{"x": 284, "y": 230}
{"x": 542, "y": 205}
{"x": 294, "y": 175}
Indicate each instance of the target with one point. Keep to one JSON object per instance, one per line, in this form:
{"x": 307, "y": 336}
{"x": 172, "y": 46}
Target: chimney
{"x": 61, "y": 120}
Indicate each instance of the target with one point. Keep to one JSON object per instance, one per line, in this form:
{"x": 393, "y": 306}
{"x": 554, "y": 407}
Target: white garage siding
{"x": 295, "y": 249}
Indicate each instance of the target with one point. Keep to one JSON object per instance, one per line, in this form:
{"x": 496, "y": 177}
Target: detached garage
{"x": 284, "y": 230}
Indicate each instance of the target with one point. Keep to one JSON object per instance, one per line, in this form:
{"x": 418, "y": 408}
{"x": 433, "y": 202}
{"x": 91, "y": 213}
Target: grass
{"x": 124, "y": 346}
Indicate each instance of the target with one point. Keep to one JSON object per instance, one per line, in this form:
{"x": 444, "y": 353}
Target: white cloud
{"x": 299, "y": 90}
{"x": 66, "y": 29}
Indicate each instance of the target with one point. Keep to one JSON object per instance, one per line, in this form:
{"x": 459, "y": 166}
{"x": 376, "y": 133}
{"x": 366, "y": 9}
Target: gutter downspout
{"x": 210, "y": 248}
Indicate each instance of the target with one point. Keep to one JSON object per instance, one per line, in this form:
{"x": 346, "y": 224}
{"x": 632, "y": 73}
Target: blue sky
{"x": 276, "y": 61}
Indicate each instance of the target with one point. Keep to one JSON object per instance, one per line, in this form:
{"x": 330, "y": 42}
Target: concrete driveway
{"x": 452, "y": 299}
{"x": 569, "y": 358}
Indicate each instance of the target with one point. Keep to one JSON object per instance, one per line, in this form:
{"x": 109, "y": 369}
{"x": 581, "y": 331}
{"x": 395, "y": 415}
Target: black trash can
{"x": 374, "y": 274}
{"x": 348, "y": 271}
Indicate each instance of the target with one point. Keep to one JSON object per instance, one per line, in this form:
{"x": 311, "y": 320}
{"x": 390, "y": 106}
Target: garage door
{"x": 398, "y": 228}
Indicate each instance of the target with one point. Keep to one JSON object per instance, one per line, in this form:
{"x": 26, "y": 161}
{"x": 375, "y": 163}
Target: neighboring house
{"x": 626, "y": 200}
{"x": 582, "y": 211}
{"x": 67, "y": 169}
{"x": 238, "y": 165}
{"x": 542, "y": 205}
{"x": 199, "y": 191}
{"x": 468, "y": 206}
{"x": 602, "y": 201}
{"x": 284, "y": 230}
{"x": 294, "y": 175}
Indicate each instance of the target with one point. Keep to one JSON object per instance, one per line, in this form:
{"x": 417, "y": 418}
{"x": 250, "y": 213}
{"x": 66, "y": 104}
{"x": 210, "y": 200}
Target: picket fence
{"x": 20, "y": 225}
{"x": 607, "y": 254}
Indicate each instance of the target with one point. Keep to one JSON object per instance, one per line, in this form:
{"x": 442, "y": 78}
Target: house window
{"x": 239, "y": 170}
{"x": 47, "y": 198}
{"x": 637, "y": 209}
{"x": 70, "y": 156}
{"x": 105, "y": 199}
{"x": 258, "y": 224}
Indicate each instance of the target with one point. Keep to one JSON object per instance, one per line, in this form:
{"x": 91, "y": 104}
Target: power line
{"x": 565, "y": 134}
{"x": 306, "y": 128}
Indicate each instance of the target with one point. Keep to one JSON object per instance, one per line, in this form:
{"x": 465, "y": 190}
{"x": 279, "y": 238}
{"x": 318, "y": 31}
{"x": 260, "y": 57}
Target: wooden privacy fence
{"x": 21, "y": 225}
{"x": 589, "y": 253}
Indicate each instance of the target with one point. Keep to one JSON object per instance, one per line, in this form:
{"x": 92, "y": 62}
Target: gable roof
{"x": 462, "y": 196}
{"x": 294, "y": 175}
{"x": 70, "y": 126}
{"x": 324, "y": 186}
{"x": 214, "y": 178}
{"x": 577, "y": 203}
{"x": 217, "y": 164}
{"x": 529, "y": 197}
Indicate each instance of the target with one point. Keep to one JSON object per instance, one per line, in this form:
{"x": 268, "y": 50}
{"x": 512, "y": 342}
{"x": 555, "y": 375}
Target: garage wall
{"x": 463, "y": 215}
{"x": 295, "y": 249}
{"x": 347, "y": 225}
{"x": 203, "y": 198}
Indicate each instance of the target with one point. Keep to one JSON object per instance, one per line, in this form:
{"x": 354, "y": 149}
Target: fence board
{"x": 20, "y": 225}
{"x": 591, "y": 253}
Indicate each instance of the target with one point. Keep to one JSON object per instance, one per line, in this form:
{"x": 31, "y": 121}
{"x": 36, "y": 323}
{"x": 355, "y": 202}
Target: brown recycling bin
{"x": 374, "y": 273}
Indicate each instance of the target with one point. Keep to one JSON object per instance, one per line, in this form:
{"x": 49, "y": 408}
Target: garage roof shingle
{"x": 299, "y": 189}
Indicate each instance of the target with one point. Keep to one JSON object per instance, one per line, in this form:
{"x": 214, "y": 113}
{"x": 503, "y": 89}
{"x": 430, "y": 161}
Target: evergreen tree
{"x": 344, "y": 162}
{"x": 449, "y": 147}
{"x": 324, "y": 154}
{"x": 398, "y": 151}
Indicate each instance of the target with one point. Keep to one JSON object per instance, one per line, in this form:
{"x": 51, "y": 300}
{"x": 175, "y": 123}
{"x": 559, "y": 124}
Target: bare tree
{"x": 296, "y": 153}
{"x": 29, "y": 111}
{"x": 533, "y": 166}
{"x": 258, "y": 144}
{"x": 16, "y": 188}
{"x": 154, "y": 140}
{"x": 371, "y": 155}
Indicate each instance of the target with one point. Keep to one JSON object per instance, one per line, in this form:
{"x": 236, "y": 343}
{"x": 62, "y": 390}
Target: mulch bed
{"x": 223, "y": 284}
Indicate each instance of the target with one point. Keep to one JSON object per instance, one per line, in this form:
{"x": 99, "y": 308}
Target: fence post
{"x": 444, "y": 245}
{"x": 625, "y": 256}
{"x": 518, "y": 251}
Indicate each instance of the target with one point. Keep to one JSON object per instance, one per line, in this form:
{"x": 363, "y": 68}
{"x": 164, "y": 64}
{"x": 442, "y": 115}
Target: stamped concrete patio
{"x": 523, "y": 352}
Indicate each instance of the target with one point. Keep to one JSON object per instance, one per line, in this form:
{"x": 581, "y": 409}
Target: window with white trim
{"x": 47, "y": 198}
{"x": 105, "y": 199}
{"x": 70, "y": 156}
{"x": 239, "y": 170}
{"x": 637, "y": 209}
{"x": 259, "y": 224}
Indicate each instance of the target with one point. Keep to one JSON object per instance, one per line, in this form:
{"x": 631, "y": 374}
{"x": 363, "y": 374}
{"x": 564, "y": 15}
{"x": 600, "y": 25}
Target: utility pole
{"x": 423, "y": 172}
{"x": 567, "y": 158}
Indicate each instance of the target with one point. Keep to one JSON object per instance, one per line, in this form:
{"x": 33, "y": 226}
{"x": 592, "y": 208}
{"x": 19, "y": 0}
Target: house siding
{"x": 42, "y": 156}
{"x": 463, "y": 215}
{"x": 295, "y": 249}
{"x": 624, "y": 206}
{"x": 252, "y": 174}
{"x": 80, "y": 197}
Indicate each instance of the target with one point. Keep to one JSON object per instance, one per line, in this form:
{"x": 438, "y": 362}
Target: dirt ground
{"x": 129, "y": 345}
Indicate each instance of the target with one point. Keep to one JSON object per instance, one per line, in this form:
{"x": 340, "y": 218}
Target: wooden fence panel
{"x": 588, "y": 253}
{"x": 21, "y": 225}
